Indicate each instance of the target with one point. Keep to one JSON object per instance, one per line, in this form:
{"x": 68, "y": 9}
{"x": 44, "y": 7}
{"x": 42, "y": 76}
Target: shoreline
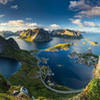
{"x": 55, "y": 90}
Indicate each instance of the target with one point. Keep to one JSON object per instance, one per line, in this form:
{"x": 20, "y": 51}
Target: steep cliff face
{"x": 67, "y": 33}
{"x": 8, "y": 43}
{"x": 42, "y": 36}
{"x": 13, "y": 43}
{"x": 37, "y": 35}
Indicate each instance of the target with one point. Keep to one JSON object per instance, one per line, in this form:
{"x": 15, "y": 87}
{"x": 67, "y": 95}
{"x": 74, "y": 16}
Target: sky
{"x": 81, "y": 15}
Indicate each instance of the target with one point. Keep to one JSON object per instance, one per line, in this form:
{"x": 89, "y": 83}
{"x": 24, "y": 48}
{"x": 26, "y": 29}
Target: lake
{"x": 9, "y": 66}
{"x": 70, "y": 74}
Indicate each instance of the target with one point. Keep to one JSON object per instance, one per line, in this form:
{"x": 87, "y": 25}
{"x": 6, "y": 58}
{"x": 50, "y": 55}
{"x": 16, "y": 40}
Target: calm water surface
{"x": 70, "y": 73}
{"x": 9, "y": 66}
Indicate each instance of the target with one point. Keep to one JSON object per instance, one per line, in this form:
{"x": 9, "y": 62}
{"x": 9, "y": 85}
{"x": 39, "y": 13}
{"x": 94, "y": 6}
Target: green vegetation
{"x": 37, "y": 35}
{"x": 62, "y": 88}
{"x": 61, "y": 46}
{"x": 91, "y": 92}
{"x": 4, "y": 85}
{"x": 94, "y": 43}
{"x": 28, "y": 76}
{"x": 29, "y": 35}
{"x": 5, "y": 96}
{"x": 93, "y": 89}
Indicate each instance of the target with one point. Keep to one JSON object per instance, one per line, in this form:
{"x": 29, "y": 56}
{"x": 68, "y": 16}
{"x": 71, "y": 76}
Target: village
{"x": 87, "y": 58}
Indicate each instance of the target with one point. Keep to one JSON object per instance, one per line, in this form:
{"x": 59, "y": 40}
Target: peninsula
{"x": 61, "y": 46}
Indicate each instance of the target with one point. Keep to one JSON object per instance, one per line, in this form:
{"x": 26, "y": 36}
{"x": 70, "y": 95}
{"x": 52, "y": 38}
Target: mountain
{"x": 10, "y": 43}
{"x": 67, "y": 33}
{"x": 37, "y": 35}
{"x": 6, "y": 34}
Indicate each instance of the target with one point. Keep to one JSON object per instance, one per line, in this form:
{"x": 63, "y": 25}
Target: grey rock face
{"x": 8, "y": 43}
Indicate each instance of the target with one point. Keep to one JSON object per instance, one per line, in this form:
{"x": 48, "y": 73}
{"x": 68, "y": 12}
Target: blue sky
{"x": 50, "y": 14}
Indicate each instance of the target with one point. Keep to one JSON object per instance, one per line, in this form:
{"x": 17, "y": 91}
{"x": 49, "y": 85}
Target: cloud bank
{"x": 84, "y": 8}
{"x": 4, "y": 1}
{"x": 15, "y": 25}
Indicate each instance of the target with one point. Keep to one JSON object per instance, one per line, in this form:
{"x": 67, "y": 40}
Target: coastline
{"x": 55, "y": 90}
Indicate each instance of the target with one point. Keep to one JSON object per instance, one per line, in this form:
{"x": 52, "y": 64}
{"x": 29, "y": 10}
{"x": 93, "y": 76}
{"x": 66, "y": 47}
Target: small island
{"x": 94, "y": 43}
{"x": 61, "y": 46}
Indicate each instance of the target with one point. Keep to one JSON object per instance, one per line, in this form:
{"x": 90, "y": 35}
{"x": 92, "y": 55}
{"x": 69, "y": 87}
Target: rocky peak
{"x": 13, "y": 43}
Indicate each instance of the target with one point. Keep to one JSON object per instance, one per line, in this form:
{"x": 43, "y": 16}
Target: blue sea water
{"x": 70, "y": 74}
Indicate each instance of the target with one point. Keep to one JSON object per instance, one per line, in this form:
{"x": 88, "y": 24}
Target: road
{"x": 54, "y": 90}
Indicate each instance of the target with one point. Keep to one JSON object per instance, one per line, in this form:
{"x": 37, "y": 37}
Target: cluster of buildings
{"x": 85, "y": 58}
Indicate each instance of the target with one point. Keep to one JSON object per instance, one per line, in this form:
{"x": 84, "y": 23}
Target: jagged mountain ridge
{"x": 37, "y": 35}
{"x": 8, "y": 43}
{"x": 67, "y": 33}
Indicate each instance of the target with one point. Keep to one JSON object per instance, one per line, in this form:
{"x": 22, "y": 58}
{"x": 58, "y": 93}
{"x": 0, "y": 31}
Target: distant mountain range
{"x": 41, "y": 35}
{"x": 67, "y": 33}
{"x": 9, "y": 33}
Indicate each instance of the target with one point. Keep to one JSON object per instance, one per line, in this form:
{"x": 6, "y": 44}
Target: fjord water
{"x": 81, "y": 48}
{"x": 8, "y": 66}
{"x": 70, "y": 74}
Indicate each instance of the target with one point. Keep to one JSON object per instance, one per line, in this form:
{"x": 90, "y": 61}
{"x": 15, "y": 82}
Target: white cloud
{"x": 94, "y": 11}
{"x": 47, "y": 29}
{"x": 77, "y": 22}
{"x": 85, "y": 8}
{"x": 14, "y": 25}
{"x": 14, "y": 6}
{"x": 79, "y": 5}
{"x": 1, "y": 15}
{"x": 84, "y": 24}
{"x": 91, "y": 24}
{"x": 4, "y": 1}
{"x": 78, "y": 16}
{"x": 31, "y": 24}
{"x": 54, "y": 26}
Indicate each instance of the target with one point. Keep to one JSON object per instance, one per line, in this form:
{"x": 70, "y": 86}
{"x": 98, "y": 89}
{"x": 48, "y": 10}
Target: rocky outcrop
{"x": 8, "y": 43}
{"x": 42, "y": 36}
{"x": 71, "y": 34}
{"x": 13, "y": 43}
{"x": 37, "y": 35}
